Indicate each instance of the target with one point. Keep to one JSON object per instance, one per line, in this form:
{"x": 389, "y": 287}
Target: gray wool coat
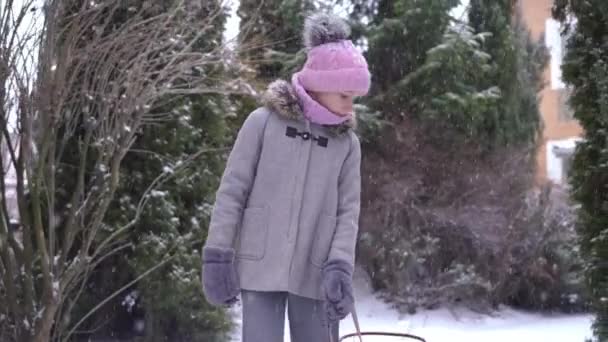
{"x": 288, "y": 201}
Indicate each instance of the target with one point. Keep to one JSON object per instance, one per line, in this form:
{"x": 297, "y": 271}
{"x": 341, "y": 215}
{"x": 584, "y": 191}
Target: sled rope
{"x": 357, "y": 327}
{"x": 356, "y": 321}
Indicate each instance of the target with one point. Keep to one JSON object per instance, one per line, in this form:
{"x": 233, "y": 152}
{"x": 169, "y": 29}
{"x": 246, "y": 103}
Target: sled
{"x": 391, "y": 336}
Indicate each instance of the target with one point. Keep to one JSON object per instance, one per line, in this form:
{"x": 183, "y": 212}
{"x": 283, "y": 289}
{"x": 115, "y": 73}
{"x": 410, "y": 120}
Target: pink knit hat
{"x": 333, "y": 63}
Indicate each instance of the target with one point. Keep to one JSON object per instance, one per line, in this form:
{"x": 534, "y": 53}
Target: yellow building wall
{"x": 535, "y": 14}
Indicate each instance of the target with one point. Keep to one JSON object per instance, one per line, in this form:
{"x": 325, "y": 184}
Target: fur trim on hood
{"x": 281, "y": 98}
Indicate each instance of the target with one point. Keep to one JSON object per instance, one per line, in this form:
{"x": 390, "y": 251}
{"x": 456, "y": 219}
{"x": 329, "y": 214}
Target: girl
{"x": 284, "y": 225}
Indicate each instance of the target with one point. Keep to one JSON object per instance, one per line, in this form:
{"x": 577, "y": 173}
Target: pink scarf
{"x": 314, "y": 111}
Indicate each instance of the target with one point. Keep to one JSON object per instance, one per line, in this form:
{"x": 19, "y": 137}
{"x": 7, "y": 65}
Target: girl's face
{"x": 339, "y": 103}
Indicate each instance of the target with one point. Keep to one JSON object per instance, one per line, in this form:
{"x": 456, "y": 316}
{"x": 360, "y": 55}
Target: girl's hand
{"x": 219, "y": 277}
{"x": 338, "y": 289}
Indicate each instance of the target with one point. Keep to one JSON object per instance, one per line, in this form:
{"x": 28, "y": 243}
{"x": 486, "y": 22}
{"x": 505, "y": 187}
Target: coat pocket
{"x": 253, "y": 234}
{"x": 323, "y": 239}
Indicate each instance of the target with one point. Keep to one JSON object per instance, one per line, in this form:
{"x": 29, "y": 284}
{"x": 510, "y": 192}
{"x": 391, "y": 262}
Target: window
{"x": 555, "y": 43}
{"x": 559, "y": 159}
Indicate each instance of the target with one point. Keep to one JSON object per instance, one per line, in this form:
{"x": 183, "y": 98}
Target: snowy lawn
{"x": 460, "y": 325}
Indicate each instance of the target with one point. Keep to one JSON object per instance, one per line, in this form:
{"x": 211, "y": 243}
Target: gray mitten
{"x": 220, "y": 283}
{"x": 338, "y": 289}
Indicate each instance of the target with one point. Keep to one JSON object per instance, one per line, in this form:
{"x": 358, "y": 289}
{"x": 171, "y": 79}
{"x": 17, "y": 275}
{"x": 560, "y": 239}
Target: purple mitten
{"x": 220, "y": 284}
{"x": 338, "y": 289}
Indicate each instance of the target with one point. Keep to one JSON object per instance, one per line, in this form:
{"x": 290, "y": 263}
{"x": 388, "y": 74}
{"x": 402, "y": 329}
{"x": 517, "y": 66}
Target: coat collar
{"x": 281, "y": 98}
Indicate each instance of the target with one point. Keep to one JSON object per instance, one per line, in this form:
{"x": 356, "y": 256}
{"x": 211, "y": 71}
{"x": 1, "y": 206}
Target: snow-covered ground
{"x": 460, "y": 325}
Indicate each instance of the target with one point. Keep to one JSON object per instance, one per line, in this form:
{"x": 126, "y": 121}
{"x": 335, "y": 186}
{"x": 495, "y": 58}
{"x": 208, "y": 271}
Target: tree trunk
{"x": 45, "y": 324}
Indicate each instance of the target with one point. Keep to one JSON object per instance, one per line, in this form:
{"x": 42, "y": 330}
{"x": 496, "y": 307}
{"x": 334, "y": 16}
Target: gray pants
{"x": 264, "y": 318}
